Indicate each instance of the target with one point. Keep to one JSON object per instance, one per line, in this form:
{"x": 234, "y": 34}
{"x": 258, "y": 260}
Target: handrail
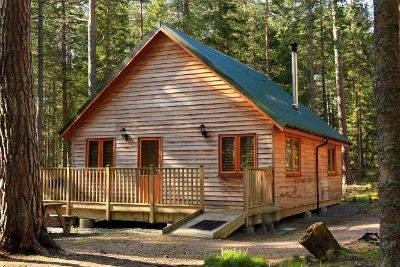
{"x": 260, "y": 182}
{"x": 116, "y": 185}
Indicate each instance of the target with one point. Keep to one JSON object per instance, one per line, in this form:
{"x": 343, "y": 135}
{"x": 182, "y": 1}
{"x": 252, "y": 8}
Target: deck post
{"x": 246, "y": 193}
{"x": 68, "y": 186}
{"x": 108, "y": 183}
{"x": 202, "y": 187}
{"x": 151, "y": 195}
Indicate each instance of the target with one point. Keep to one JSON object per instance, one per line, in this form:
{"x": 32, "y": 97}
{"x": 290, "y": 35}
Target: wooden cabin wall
{"x": 296, "y": 194}
{"x": 168, "y": 93}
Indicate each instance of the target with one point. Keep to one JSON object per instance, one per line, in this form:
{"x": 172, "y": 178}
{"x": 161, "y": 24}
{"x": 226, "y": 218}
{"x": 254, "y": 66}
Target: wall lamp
{"x": 124, "y": 134}
{"x": 203, "y": 130}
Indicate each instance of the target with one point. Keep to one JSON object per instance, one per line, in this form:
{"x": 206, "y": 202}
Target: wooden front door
{"x": 150, "y": 152}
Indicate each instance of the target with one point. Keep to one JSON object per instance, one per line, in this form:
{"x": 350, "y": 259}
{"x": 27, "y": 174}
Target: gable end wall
{"x": 168, "y": 94}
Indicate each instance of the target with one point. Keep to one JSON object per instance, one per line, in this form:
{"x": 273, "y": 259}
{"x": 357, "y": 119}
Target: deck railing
{"x": 258, "y": 189}
{"x": 171, "y": 187}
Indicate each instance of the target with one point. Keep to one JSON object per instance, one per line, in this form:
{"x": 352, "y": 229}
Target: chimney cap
{"x": 294, "y": 46}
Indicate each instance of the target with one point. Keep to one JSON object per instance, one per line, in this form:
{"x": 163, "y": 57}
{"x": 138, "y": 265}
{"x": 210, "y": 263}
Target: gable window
{"x": 292, "y": 155}
{"x": 236, "y": 152}
{"x": 99, "y": 152}
{"x": 332, "y": 160}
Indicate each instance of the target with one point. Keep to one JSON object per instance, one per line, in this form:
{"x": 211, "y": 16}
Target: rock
{"x": 372, "y": 238}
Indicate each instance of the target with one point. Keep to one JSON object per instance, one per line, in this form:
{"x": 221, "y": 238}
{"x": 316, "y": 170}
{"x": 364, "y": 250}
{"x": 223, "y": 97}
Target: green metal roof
{"x": 258, "y": 88}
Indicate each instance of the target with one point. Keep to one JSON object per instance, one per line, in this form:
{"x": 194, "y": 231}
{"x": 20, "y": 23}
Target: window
{"x": 150, "y": 152}
{"x": 332, "y": 160}
{"x": 292, "y": 153}
{"x": 99, "y": 152}
{"x": 236, "y": 152}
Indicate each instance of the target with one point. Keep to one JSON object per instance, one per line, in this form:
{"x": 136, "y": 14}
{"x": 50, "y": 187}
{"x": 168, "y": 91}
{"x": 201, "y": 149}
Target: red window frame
{"x": 293, "y": 173}
{"x": 140, "y": 139}
{"x": 237, "y": 153}
{"x": 331, "y": 163}
{"x": 100, "y": 152}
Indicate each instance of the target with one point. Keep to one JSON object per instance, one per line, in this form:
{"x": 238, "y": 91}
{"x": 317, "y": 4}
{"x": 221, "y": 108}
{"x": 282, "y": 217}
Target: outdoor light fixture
{"x": 124, "y": 134}
{"x": 203, "y": 130}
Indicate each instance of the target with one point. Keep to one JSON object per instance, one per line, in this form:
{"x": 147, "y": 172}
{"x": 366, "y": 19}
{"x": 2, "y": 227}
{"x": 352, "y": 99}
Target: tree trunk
{"x": 65, "y": 114}
{"x": 341, "y": 102}
{"x": 267, "y": 66}
{"x": 92, "y": 47}
{"x": 388, "y": 113}
{"x": 22, "y": 227}
{"x": 323, "y": 70}
{"x": 359, "y": 132}
{"x": 318, "y": 240}
{"x": 310, "y": 52}
{"x": 107, "y": 60}
{"x": 40, "y": 81}
{"x": 141, "y": 20}
{"x": 186, "y": 16}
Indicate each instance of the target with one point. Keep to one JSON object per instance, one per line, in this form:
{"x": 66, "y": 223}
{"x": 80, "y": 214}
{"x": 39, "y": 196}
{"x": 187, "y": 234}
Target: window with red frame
{"x": 99, "y": 152}
{"x": 332, "y": 160}
{"x": 236, "y": 152}
{"x": 292, "y": 155}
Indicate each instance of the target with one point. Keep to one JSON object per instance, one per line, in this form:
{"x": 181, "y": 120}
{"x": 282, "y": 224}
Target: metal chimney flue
{"x": 294, "y": 76}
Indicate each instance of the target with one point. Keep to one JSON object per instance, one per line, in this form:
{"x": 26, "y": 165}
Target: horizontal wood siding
{"x": 168, "y": 94}
{"x": 294, "y": 192}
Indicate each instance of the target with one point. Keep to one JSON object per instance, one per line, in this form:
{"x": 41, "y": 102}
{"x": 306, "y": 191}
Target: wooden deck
{"x": 157, "y": 195}
{"x": 134, "y": 194}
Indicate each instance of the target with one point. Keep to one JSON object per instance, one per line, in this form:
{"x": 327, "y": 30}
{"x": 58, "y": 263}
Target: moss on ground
{"x": 351, "y": 255}
{"x": 360, "y": 194}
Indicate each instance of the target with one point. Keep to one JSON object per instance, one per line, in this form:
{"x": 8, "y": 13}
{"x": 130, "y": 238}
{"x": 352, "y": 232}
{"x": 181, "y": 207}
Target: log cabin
{"x": 180, "y": 130}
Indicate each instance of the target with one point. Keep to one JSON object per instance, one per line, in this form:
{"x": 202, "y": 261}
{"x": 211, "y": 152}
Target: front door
{"x": 150, "y": 152}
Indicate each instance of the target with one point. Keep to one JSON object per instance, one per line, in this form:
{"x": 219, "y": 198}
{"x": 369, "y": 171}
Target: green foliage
{"x": 236, "y": 28}
{"x": 234, "y": 257}
{"x": 360, "y": 194}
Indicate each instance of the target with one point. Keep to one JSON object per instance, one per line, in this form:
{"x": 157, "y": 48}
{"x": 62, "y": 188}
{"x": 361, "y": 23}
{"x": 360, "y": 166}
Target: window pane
{"x": 329, "y": 160}
{"x": 288, "y": 155}
{"x": 333, "y": 155}
{"x": 246, "y": 151}
{"x": 228, "y": 154}
{"x": 108, "y": 149}
{"x": 150, "y": 153}
{"x": 296, "y": 157}
{"x": 93, "y": 154}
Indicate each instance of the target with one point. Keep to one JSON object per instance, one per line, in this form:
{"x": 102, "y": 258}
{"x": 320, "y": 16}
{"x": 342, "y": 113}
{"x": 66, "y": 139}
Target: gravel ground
{"x": 136, "y": 246}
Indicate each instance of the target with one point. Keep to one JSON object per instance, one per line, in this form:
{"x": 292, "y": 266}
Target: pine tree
{"x": 22, "y": 215}
{"x": 387, "y": 105}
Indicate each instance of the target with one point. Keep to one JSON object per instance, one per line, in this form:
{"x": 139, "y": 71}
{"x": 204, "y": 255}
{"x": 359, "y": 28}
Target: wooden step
{"x": 234, "y": 219}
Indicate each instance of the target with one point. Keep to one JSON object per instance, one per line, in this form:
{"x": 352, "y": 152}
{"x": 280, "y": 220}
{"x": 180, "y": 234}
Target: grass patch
{"x": 235, "y": 257}
{"x": 360, "y": 194}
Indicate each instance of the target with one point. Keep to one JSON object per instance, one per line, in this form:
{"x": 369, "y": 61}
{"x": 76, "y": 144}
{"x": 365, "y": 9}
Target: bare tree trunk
{"x": 310, "y": 52}
{"x": 141, "y": 20}
{"x": 323, "y": 70}
{"x": 388, "y": 113}
{"x": 186, "y": 16}
{"x": 92, "y": 47}
{"x": 40, "y": 81}
{"x": 340, "y": 92}
{"x": 267, "y": 66}
{"x": 107, "y": 68}
{"x": 65, "y": 147}
{"x": 359, "y": 132}
{"x": 22, "y": 227}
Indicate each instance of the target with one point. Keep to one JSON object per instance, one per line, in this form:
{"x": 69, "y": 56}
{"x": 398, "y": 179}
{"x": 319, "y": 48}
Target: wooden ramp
{"x": 227, "y": 222}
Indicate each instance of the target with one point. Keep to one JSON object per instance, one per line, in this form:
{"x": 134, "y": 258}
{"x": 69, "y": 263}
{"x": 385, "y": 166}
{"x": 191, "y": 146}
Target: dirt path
{"x": 130, "y": 248}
